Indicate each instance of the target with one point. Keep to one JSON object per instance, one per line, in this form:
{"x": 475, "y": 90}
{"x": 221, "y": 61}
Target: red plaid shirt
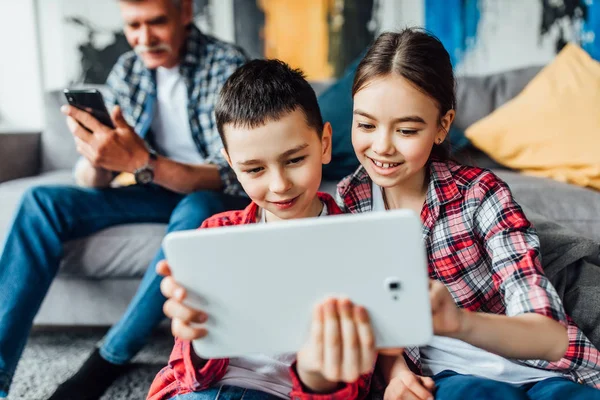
{"x": 482, "y": 247}
{"x": 183, "y": 374}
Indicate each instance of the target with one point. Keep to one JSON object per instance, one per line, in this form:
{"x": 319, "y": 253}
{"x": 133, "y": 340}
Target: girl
{"x": 501, "y": 328}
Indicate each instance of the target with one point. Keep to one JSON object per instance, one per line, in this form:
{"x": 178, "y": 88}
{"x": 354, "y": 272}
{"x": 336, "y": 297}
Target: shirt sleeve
{"x": 513, "y": 248}
{"x": 357, "y": 390}
{"x": 192, "y": 372}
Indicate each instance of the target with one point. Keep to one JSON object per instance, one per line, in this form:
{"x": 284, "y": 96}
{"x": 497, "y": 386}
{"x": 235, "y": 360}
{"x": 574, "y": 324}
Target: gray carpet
{"x": 53, "y": 356}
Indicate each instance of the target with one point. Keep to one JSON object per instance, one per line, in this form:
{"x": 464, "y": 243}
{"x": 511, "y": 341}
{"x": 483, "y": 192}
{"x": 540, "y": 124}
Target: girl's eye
{"x": 407, "y": 132}
{"x": 364, "y": 126}
{"x": 254, "y": 170}
{"x": 296, "y": 160}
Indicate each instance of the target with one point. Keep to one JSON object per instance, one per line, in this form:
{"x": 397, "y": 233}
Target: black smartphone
{"x": 90, "y": 100}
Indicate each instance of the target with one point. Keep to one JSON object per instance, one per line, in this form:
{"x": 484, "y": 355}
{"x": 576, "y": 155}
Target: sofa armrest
{"x": 19, "y": 155}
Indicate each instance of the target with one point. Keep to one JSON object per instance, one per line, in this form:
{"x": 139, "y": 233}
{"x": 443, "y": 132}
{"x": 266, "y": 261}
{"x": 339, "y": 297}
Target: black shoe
{"x": 91, "y": 381}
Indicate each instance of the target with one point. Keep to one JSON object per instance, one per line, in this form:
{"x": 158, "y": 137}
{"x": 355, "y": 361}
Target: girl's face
{"x": 394, "y": 128}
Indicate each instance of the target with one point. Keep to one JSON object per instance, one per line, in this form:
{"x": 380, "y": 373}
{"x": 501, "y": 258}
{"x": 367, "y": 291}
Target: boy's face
{"x": 279, "y": 164}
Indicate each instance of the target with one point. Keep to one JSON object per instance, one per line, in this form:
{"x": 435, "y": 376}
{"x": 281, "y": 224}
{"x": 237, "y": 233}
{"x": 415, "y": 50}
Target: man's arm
{"x": 121, "y": 149}
{"x": 186, "y": 178}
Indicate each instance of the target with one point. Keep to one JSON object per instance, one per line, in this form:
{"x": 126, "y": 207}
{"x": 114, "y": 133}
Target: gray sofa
{"x": 100, "y": 273}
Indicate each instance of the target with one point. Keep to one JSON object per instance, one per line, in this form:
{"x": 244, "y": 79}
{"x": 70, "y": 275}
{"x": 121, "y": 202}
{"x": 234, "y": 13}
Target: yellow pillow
{"x": 552, "y": 128}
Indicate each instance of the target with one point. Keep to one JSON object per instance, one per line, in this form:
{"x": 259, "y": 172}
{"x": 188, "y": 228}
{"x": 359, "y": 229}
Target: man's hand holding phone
{"x": 119, "y": 149}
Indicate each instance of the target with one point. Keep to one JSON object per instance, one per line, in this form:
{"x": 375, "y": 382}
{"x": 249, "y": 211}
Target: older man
{"x": 163, "y": 95}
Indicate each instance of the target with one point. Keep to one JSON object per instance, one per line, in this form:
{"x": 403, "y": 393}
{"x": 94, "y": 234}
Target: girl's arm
{"x": 534, "y": 326}
{"x": 526, "y": 336}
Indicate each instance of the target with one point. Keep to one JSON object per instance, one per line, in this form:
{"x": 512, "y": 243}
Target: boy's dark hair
{"x": 419, "y": 57}
{"x": 262, "y": 91}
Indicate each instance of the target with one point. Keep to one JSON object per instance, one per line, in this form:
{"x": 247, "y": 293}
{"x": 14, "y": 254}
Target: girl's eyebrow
{"x": 408, "y": 118}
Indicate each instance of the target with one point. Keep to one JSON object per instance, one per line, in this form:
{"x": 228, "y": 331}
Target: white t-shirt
{"x": 171, "y": 123}
{"x": 269, "y": 374}
{"x": 443, "y": 353}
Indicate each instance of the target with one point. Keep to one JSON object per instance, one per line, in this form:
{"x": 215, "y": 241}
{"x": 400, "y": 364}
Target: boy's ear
{"x": 326, "y": 143}
{"x": 226, "y": 156}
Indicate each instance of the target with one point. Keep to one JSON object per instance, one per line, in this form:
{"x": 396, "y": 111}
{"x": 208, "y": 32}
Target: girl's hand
{"x": 408, "y": 386}
{"x": 341, "y": 346}
{"x": 448, "y": 319}
{"x": 182, "y": 317}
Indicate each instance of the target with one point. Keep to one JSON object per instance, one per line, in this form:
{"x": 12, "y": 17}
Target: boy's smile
{"x": 279, "y": 164}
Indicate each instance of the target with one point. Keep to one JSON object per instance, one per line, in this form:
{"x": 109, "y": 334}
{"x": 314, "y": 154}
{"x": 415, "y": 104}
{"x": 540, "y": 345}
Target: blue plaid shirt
{"x": 206, "y": 65}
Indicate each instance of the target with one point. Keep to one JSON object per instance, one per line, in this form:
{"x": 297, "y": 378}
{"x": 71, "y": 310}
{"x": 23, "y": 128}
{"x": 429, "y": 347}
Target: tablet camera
{"x": 394, "y": 286}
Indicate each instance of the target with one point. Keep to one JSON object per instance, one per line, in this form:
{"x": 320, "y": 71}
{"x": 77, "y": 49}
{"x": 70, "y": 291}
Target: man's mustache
{"x": 142, "y": 48}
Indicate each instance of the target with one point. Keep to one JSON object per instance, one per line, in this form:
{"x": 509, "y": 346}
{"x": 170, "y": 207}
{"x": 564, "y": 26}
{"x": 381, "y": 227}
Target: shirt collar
{"x": 442, "y": 188}
{"x": 250, "y": 213}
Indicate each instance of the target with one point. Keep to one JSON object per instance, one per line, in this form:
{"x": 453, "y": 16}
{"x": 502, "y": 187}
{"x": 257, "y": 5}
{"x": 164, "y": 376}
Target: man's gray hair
{"x": 176, "y": 3}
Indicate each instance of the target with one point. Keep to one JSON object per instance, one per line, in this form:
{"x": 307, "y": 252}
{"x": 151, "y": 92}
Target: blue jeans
{"x": 47, "y": 217}
{"x": 226, "y": 393}
{"x": 453, "y": 386}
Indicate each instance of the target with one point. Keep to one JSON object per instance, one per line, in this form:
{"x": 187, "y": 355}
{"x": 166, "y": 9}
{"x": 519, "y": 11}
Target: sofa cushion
{"x": 569, "y": 205}
{"x": 120, "y": 252}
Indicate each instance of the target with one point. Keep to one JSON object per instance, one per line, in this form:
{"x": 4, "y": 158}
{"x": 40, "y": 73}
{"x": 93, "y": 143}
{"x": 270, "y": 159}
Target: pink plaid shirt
{"x": 482, "y": 247}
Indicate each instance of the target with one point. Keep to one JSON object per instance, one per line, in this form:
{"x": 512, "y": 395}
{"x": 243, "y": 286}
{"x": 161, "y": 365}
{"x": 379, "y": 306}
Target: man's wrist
{"x": 141, "y": 161}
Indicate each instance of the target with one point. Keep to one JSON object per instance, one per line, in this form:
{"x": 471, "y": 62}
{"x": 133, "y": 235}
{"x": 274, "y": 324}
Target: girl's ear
{"x": 446, "y": 123}
{"x": 326, "y": 143}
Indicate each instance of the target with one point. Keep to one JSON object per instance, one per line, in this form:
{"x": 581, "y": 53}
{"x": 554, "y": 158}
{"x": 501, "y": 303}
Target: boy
{"x": 275, "y": 141}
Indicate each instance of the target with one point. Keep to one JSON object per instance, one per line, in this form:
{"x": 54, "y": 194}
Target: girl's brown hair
{"x": 419, "y": 57}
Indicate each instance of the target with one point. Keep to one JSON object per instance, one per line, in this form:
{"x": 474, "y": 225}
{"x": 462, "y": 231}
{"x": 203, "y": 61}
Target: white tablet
{"x": 259, "y": 283}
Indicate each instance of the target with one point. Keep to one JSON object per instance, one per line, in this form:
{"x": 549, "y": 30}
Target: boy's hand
{"x": 408, "y": 386}
{"x": 448, "y": 319}
{"x": 341, "y": 346}
{"x": 182, "y": 317}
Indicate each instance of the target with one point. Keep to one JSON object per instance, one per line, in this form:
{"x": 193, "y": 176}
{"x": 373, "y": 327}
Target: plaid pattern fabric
{"x": 482, "y": 247}
{"x": 182, "y": 374}
{"x": 206, "y": 65}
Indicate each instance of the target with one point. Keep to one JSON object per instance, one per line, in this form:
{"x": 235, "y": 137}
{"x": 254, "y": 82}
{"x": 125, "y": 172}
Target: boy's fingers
{"x": 332, "y": 352}
{"x": 351, "y": 361}
{"x": 366, "y": 339}
{"x": 174, "y": 309}
{"x": 316, "y": 339}
{"x": 168, "y": 287}
{"x": 162, "y": 268}
{"x": 183, "y": 331}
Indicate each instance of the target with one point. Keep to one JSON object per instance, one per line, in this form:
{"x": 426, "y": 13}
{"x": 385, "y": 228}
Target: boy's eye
{"x": 362, "y": 125}
{"x": 254, "y": 170}
{"x": 296, "y": 160}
